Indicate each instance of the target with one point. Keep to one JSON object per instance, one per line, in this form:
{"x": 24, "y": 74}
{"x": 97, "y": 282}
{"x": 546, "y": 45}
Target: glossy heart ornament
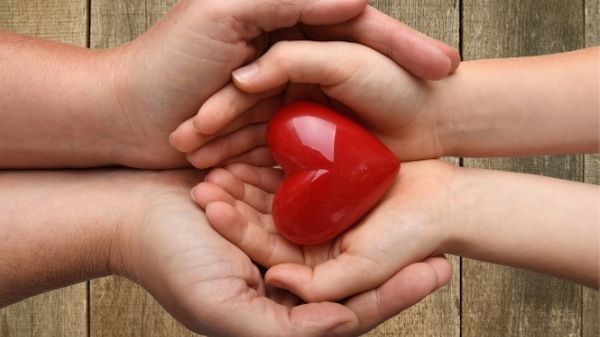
{"x": 336, "y": 172}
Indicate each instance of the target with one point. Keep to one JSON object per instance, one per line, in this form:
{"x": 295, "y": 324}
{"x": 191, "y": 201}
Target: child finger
{"x": 332, "y": 280}
{"x": 261, "y": 246}
{"x": 265, "y": 178}
{"x": 250, "y": 194}
{"x": 225, "y": 106}
{"x": 205, "y": 193}
{"x": 186, "y": 139}
{"x": 260, "y": 156}
{"x": 228, "y": 146}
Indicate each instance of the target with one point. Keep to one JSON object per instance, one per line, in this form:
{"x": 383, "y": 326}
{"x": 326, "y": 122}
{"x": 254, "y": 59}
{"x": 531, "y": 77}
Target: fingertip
{"x": 292, "y": 277}
{"x": 206, "y": 193}
{"x": 455, "y": 59}
{"x": 185, "y": 138}
{"x": 218, "y": 210}
{"x": 227, "y": 181}
{"x": 439, "y": 68}
{"x": 451, "y": 53}
{"x": 243, "y": 76}
{"x": 442, "y": 268}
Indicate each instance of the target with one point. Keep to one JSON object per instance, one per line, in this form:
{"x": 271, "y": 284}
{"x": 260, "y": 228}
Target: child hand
{"x": 405, "y": 228}
{"x": 403, "y": 111}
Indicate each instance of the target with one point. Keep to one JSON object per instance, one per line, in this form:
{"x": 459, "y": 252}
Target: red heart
{"x": 336, "y": 172}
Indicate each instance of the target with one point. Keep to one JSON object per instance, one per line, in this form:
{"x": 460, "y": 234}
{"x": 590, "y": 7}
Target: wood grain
{"x": 500, "y": 301}
{"x": 62, "y": 312}
{"x": 496, "y": 301}
{"x": 439, "y": 314}
{"x": 591, "y": 298}
{"x": 119, "y": 307}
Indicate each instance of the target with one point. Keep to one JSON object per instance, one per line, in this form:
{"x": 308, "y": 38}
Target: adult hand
{"x": 117, "y": 107}
{"x": 143, "y": 225}
{"x": 412, "y": 117}
{"x": 165, "y": 75}
{"x": 213, "y": 288}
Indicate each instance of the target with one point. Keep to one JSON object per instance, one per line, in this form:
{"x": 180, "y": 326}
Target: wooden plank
{"x": 119, "y": 307}
{"x": 591, "y": 298}
{"x": 590, "y": 319}
{"x": 501, "y": 301}
{"x": 439, "y": 314}
{"x": 62, "y": 312}
{"x": 58, "y": 20}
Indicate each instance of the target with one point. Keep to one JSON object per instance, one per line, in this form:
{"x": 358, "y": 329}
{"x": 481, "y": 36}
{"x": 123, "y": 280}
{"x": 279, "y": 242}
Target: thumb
{"x": 332, "y": 280}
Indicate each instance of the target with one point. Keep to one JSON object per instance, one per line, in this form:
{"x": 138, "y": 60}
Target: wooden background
{"x": 482, "y": 299}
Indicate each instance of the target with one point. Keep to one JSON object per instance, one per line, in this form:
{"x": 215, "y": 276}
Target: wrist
{"x": 150, "y": 198}
{"x": 446, "y": 105}
{"x": 459, "y": 212}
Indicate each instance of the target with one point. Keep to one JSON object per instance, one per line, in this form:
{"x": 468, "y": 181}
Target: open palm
{"x": 213, "y": 287}
{"x": 398, "y": 232}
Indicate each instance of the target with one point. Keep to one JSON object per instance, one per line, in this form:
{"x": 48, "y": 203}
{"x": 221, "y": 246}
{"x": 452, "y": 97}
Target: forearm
{"x": 56, "y": 104}
{"x": 538, "y": 223}
{"x": 524, "y": 106}
{"x": 56, "y": 228}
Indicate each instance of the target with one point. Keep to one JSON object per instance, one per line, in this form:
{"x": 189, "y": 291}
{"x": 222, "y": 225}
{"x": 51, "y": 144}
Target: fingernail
{"x": 171, "y": 137}
{"x": 343, "y": 329}
{"x": 246, "y": 73}
{"x": 193, "y": 194}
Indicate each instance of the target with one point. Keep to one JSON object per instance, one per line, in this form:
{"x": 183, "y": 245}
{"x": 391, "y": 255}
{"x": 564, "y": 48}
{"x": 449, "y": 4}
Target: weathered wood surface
{"x": 499, "y": 301}
{"x": 62, "y": 312}
{"x": 591, "y": 299}
{"x": 439, "y": 314}
{"x": 493, "y": 301}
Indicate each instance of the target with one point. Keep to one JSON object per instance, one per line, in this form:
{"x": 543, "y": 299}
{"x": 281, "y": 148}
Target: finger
{"x": 297, "y": 62}
{"x": 255, "y": 197}
{"x": 185, "y": 138}
{"x": 403, "y": 290}
{"x": 443, "y": 269}
{"x": 422, "y": 55}
{"x": 270, "y": 15}
{"x": 264, "y": 247}
{"x": 233, "y": 187}
{"x": 228, "y": 146}
{"x": 265, "y": 178}
{"x": 205, "y": 193}
{"x": 260, "y": 157}
{"x": 332, "y": 280}
{"x": 229, "y": 103}
{"x": 356, "y": 78}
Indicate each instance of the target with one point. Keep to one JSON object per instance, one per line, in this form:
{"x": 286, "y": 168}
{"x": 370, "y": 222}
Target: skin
{"x": 144, "y": 225}
{"x": 526, "y": 221}
{"x": 487, "y": 108}
{"x": 71, "y": 107}
{"x": 503, "y": 107}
